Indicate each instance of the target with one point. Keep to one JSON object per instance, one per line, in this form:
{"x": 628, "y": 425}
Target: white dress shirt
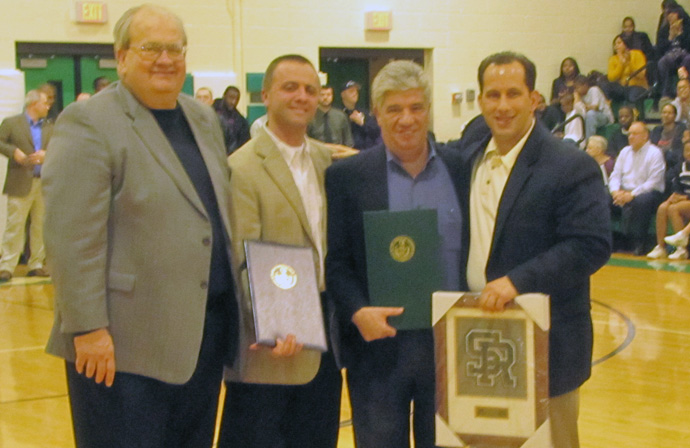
{"x": 638, "y": 171}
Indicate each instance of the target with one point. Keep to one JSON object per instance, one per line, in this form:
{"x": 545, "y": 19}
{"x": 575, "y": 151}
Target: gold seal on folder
{"x": 402, "y": 248}
{"x": 283, "y": 276}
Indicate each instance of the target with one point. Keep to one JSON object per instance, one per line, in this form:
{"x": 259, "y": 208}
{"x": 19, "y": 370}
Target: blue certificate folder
{"x": 284, "y": 293}
{"x": 403, "y": 263}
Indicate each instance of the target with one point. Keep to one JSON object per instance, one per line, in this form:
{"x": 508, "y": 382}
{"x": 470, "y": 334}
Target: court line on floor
{"x": 27, "y": 400}
{"x": 22, "y": 349}
{"x": 628, "y": 338}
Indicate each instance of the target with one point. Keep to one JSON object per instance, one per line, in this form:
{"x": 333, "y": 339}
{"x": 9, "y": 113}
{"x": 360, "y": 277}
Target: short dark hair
{"x": 505, "y": 58}
{"x": 631, "y": 19}
{"x": 582, "y": 80}
{"x": 268, "y": 76}
{"x": 675, "y": 109}
{"x": 229, "y": 88}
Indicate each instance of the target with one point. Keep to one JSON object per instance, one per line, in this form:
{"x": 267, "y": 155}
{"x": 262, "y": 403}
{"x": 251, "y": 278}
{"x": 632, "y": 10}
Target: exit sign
{"x": 379, "y": 21}
{"x": 91, "y": 12}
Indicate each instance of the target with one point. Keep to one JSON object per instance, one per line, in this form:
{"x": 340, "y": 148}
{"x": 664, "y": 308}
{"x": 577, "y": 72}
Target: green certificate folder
{"x": 403, "y": 263}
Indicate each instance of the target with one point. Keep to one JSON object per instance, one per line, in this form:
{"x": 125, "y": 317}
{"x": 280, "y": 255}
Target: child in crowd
{"x": 596, "y": 104}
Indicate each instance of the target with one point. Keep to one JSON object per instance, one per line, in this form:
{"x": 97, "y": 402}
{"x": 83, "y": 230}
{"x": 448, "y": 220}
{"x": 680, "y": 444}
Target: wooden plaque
{"x": 492, "y": 373}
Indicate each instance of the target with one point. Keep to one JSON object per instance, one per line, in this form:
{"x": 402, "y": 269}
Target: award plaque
{"x": 492, "y": 373}
{"x": 284, "y": 293}
{"x": 403, "y": 263}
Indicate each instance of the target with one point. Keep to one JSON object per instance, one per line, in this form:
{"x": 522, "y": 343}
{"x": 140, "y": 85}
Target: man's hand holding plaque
{"x": 372, "y": 322}
{"x": 283, "y": 348}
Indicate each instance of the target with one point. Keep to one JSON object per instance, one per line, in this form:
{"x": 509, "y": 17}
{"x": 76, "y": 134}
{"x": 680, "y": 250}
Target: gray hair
{"x": 32, "y": 96}
{"x": 121, "y": 30}
{"x": 600, "y": 141}
{"x": 399, "y": 76}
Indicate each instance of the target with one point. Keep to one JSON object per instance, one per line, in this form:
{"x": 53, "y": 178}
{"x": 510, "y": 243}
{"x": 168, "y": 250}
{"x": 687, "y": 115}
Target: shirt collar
{"x": 511, "y": 156}
{"x": 392, "y": 158}
{"x": 32, "y": 122}
{"x": 288, "y": 152}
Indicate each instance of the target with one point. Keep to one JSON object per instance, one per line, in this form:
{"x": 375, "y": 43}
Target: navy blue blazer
{"x": 552, "y": 233}
{"x": 353, "y": 186}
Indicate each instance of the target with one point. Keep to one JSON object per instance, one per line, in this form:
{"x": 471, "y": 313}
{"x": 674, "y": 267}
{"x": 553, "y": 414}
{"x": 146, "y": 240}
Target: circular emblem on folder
{"x": 283, "y": 276}
{"x": 402, "y": 248}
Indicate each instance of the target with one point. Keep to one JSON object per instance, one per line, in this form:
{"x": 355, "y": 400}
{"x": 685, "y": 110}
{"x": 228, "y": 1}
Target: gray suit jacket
{"x": 267, "y": 206}
{"x": 125, "y": 232}
{"x": 15, "y": 133}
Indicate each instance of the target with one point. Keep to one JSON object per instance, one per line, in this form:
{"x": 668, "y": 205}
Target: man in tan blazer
{"x": 137, "y": 235}
{"x": 277, "y": 190}
{"x": 23, "y": 139}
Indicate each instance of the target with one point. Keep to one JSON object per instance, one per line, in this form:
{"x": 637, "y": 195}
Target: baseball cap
{"x": 351, "y": 83}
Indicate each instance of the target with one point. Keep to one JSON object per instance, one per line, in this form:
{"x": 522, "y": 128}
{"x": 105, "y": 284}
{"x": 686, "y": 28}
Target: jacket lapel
{"x": 519, "y": 175}
{"x": 153, "y": 139}
{"x": 375, "y": 179}
{"x": 278, "y": 170}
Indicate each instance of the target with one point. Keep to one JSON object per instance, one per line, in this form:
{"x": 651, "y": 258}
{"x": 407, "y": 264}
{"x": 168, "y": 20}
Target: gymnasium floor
{"x": 639, "y": 394}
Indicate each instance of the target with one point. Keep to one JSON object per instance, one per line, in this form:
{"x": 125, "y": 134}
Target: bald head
{"x": 638, "y": 135}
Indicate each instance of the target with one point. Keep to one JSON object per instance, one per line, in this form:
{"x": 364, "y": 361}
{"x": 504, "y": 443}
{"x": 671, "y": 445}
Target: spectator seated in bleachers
{"x": 636, "y": 185}
{"x": 597, "y": 107}
{"x": 596, "y": 148}
{"x": 618, "y": 138}
{"x": 626, "y": 73}
{"x": 673, "y": 48}
{"x": 668, "y": 137}
{"x": 682, "y": 101}
{"x": 638, "y": 40}
{"x": 569, "y": 71}
{"x": 676, "y": 209}
{"x": 572, "y": 128}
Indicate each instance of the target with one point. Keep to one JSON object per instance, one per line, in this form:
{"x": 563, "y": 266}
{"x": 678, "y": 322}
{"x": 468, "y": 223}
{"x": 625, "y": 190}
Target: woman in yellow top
{"x": 626, "y": 75}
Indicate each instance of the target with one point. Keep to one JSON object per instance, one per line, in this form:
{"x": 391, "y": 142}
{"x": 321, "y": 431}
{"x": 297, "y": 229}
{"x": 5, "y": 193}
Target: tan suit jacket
{"x": 15, "y": 133}
{"x": 127, "y": 237}
{"x": 267, "y": 206}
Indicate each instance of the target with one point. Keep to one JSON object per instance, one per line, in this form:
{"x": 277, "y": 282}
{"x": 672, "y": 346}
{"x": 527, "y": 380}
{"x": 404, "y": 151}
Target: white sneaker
{"x": 680, "y": 254}
{"x": 657, "y": 252}
{"x": 677, "y": 239}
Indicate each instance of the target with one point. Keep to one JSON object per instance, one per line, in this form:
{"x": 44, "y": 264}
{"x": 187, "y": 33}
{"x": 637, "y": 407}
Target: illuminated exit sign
{"x": 91, "y": 12}
{"x": 379, "y": 21}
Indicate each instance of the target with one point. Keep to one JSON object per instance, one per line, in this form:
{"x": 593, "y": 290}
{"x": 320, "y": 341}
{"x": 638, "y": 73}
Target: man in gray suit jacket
{"x": 23, "y": 139}
{"x": 137, "y": 235}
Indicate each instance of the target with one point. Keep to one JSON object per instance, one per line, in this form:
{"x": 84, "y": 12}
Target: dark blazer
{"x": 552, "y": 233}
{"x": 353, "y": 186}
{"x": 15, "y": 133}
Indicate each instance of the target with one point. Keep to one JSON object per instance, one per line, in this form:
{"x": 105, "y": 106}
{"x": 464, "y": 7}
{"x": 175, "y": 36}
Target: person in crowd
{"x": 618, "y": 139}
{"x": 235, "y": 126}
{"x": 668, "y": 137}
{"x": 330, "y": 125}
{"x": 638, "y": 40}
{"x": 596, "y": 148}
{"x": 598, "y": 111}
{"x": 573, "y": 126}
{"x": 569, "y": 70}
{"x": 365, "y": 130}
{"x": 626, "y": 73}
{"x": 532, "y": 229}
{"x": 682, "y": 101}
{"x": 100, "y": 83}
{"x": 673, "y": 48}
{"x": 676, "y": 209}
{"x": 636, "y": 185}
{"x": 54, "y": 106}
{"x": 388, "y": 370}
{"x": 137, "y": 232}
{"x": 277, "y": 195}
{"x": 204, "y": 95}
{"x": 24, "y": 139}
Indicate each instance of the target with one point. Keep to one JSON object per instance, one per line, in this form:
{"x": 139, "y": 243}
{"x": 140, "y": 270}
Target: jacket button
{"x": 204, "y": 285}
{"x": 206, "y": 241}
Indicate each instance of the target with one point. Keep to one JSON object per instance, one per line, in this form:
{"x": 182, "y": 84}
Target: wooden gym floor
{"x": 639, "y": 394}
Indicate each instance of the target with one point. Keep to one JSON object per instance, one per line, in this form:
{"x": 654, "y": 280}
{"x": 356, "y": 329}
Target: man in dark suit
{"x": 388, "y": 369}
{"x": 538, "y": 222}
{"x": 23, "y": 139}
{"x": 137, "y": 231}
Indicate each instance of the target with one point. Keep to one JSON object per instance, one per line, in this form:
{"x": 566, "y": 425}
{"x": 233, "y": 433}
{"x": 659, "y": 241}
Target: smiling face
{"x": 156, "y": 81}
{"x": 292, "y": 97}
{"x": 507, "y": 103}
{"x": 404, "y": 119}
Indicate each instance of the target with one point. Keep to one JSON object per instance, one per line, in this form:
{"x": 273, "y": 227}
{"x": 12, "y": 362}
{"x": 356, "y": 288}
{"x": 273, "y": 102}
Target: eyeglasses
{"x": 151, "y": 51}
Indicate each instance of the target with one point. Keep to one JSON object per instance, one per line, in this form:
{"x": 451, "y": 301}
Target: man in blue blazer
{"x": 538, "y": 222}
